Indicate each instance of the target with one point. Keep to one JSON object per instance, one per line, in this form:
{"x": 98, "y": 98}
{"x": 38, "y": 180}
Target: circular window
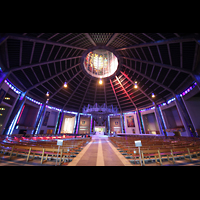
{"x": 100, "y": 63}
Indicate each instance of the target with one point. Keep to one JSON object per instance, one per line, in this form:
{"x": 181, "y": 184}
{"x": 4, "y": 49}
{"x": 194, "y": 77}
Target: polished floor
{"x": 99, "y": 152}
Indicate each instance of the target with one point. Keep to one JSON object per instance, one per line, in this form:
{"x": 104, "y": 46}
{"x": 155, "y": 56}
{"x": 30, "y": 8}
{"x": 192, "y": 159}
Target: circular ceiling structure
{"x": 100, "y": 63}
{"x": 137, "y": 69}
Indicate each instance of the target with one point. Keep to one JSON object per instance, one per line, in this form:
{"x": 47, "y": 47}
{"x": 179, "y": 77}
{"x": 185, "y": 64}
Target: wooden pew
{"x": 42, "y": 149}
{"x": 19, "y": 148}
{"x": 159, "y": 149}
{"x": 6, "y": 148}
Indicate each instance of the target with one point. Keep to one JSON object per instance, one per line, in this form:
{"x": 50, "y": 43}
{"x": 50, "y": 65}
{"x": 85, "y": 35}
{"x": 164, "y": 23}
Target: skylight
{"x": 100, "y": 63}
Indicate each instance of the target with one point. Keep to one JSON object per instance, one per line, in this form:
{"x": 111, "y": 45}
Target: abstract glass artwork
{"x": 100, "y": 63}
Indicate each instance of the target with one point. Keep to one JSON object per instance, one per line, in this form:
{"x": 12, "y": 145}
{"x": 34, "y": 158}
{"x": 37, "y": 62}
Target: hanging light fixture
{"x": 135, "y": 85}
{"x": 47, "y": 94}
{"x": 65, "y": 84}
{"x": 100, "y": 81}
{"x": 152, "y": 95}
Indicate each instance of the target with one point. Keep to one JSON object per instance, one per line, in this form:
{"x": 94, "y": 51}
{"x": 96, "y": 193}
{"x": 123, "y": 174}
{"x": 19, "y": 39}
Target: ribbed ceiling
{"x": 160, "y": 63}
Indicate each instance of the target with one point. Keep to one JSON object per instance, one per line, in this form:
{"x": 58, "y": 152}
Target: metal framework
{"x": 163, "y": 63}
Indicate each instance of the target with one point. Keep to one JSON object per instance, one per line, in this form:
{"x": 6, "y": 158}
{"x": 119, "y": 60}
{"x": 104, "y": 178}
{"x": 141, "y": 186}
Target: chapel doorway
{"x": 100, "y": 130}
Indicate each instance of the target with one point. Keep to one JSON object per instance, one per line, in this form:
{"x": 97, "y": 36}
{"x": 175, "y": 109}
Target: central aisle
{"x": 99, "y": 152}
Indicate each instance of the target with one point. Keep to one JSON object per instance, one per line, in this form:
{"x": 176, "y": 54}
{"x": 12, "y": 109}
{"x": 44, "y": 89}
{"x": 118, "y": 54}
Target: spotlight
{"x": 153, "y": 95}
{"x": 47, "y": 94}
{"x": 100, "y": 81}
{"x": 65, "y": 85}
{"x": 135, "y": 85}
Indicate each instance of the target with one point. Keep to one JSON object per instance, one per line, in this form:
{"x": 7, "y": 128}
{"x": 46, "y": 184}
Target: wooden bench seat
{"x": 158, "y": 149}
{"x": 41, "y": 152}
{"x": 20, "y": 149}
{"x": 6, "y": 148}
{"x": 45, "y": 150}
{"x": 161, "y": 154}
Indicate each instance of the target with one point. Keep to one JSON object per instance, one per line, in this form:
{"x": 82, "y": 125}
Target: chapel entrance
{"x": 100, "y": 130}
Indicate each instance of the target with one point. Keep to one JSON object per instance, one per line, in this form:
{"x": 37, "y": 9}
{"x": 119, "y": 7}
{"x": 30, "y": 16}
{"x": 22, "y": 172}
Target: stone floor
{"x": 100, "y": 152}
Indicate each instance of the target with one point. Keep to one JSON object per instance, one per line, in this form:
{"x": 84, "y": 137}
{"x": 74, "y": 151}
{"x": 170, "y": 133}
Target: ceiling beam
{"x": 160, "y": 84}
{"x": 27, "y": 77}
{"x": 32, "y": 51}
{"x": 173, "y": 79}
{"x": 3, "y": 38}
{"x": 68, "y": 81}
{"x": 160, "y": 65}
{"x": 34, "y": 86}
{"x": 195, "y": 57}
{"x": 115, "y": 95}
{"x": 84, "y": 96}
{"x": 73, "y": 92}
{"x": 112, "y": 38}
{"x": 41, "y": 63}
{"x": 160, "y": 42}
{"x": 90, "y": 39}
{"x": 189, "y": 72}
{"x": 126, "y": 92}
{"x": 38, "y": 40}
{"x": 138, "y": 86}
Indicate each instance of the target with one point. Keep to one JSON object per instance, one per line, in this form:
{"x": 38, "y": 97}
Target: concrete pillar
{"x": 184, "y": 116}
{"x": 77, "y": 123}
{"x": 14, "y": 115}
{"x": 122, "y": 124}
{"x": 39, "y": 118}
{"x": 141, "y": 128}
{"x": 60, "y": 120}
{"x": 160, "y": 120}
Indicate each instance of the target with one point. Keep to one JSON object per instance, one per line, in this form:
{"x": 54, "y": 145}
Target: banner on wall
{"x": 46, "y": 118}
{"x": 130, "y": 121}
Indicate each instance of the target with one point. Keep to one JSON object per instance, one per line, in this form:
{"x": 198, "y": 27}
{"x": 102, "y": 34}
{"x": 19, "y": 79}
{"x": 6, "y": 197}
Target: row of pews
{"x": 158, "y": 149}
{"x": 41, "y": 148}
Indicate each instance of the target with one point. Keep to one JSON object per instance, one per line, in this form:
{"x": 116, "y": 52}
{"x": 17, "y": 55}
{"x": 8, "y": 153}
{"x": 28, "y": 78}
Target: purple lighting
{"x": 34, "y": 101}
{"x": 151, "y": 108}
{"x": 54, "y": 108}
{"x": 12, "y": 87}
{"x": 188, "y": 90}
{"x": 17, "y": 91}
{"x": 61, "y": 120}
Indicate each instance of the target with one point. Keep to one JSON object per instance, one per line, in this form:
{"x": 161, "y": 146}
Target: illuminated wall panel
{"x": 68, "y": 124}
{"x": 115, "y": 125}
{"x": 84, "y": 124}
{"x": 131, "y": 123}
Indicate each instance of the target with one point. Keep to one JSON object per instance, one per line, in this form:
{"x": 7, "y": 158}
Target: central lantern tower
{"x": 100, "y": 62}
